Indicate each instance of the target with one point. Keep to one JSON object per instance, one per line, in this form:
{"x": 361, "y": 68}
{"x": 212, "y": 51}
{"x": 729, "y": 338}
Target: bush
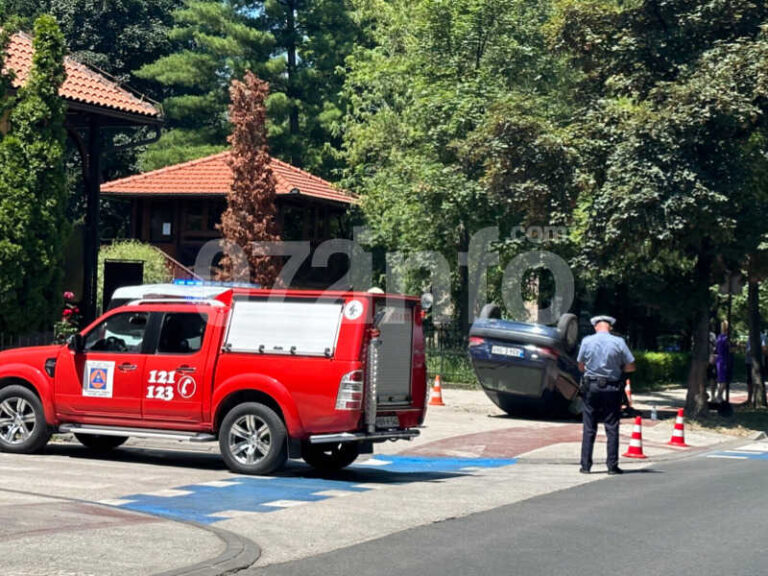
{"x": 656, "y": 369}
{"x": 156, "y": 270}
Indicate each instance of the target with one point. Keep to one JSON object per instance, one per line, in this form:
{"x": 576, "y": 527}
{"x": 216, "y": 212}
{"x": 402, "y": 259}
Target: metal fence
{"x": 25, "y": 340}
{"x": 447, "y": 354}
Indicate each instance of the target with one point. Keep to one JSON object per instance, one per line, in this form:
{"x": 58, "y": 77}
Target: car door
{"x": 105, "y": 379}
{"x": 175, "y": 374}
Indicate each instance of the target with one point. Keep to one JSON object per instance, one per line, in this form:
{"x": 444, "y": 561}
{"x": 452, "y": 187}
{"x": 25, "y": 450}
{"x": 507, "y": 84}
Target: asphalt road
{"x": 700, "y": 516}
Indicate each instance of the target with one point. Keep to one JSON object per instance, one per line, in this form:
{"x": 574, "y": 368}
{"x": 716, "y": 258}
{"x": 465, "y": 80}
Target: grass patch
{"x": 744, "y": 421}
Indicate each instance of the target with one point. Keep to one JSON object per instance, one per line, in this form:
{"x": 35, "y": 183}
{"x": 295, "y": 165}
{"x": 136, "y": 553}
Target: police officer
{"x": 603, "y": 358}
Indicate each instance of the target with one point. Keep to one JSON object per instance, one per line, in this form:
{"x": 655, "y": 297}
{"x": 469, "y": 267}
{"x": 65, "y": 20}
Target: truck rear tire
{"x": 252, "y": 439}
{"x": 23, "y": 429}
{"x": 99, "y": 443}
{"x": 330, "y": 457}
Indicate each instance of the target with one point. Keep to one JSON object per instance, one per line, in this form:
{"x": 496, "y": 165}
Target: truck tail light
{"x": 350, "y": 395}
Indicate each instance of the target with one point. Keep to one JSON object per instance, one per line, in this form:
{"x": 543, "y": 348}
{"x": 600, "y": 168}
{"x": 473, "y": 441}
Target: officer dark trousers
{"x": 601, "y": 405}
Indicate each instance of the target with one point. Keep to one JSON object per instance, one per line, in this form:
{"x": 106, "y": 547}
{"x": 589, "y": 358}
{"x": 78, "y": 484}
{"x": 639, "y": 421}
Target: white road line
{"x": 116, "y": 502}
{"x": 168, "y": 493}
{"x": 727, "y": 456}
{"x": 218, "y": 484}
{"x": 285, "y": 503}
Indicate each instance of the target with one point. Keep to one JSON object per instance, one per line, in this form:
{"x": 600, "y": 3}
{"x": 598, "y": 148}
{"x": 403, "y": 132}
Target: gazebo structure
{"x": 177, "y": 208}
{"x": 95, "y": 104}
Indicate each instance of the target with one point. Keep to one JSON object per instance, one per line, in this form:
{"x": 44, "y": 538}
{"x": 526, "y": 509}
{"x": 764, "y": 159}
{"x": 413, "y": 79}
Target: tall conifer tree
{"x": 250, "y": 213}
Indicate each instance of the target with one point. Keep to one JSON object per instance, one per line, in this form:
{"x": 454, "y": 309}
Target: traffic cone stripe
{"x": 635, "y": 449}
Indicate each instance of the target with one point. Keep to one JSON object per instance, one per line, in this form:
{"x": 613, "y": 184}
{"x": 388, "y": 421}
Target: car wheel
{"x": 330, "y": 457}
{"x": 99, "y": 443}
{"x": 252, "y": 439}
{"x": 568, "y": 330}
{"x": 23, "y": 428}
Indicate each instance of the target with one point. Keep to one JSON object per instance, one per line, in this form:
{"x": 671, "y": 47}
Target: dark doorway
{"x": 119, "y": 273}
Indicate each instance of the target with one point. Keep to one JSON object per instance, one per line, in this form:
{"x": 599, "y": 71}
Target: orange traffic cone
{"x": 437, "y": 393}
{"x": 635, "y": 449}
{"x": 678, "y": 433}
{"x": 628, "y": 392}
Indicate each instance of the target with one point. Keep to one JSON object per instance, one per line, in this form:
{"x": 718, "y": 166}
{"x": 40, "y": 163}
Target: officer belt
{"x": 602, "y": 382}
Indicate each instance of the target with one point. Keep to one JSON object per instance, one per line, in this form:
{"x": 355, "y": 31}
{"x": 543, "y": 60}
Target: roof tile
{"x": 212, "y": 176}
{"x": 82, "y": 84}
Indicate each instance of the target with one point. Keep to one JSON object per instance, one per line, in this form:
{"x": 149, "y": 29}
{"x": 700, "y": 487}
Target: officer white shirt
{"x": 604, "y": 356}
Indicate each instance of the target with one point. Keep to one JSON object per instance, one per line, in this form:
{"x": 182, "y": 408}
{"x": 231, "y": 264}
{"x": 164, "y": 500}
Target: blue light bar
{"x": 214, "y": 283}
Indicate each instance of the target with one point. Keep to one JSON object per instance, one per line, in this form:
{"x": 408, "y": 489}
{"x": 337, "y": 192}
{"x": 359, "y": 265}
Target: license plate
{"x": 508, "y": 351}
{"x": 387, "y": 422}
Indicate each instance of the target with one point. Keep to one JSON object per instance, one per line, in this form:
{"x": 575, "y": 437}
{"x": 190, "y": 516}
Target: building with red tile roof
{"x": 176, "y": 208}
{"x": 211, "y": 176}
{"x": 84, "y": 88}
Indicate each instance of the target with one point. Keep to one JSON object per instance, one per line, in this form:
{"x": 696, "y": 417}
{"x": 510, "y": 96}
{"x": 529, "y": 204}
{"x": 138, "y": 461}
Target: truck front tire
{"x": 252, "y": 439}
{"x": 23, "y": 429}
{"x": 330, "y": 457}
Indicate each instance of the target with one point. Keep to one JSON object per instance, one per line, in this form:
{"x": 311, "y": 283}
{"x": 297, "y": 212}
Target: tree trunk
{"x": 291, "y": 48}
{"x": 696, "y": 399}
{"x": 757, "y": 390}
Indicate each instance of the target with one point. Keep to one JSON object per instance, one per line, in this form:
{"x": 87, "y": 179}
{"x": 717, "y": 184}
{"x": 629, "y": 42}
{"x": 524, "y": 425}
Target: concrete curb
{"x": 239, "y": 552}
{"x": 670, "y": 457}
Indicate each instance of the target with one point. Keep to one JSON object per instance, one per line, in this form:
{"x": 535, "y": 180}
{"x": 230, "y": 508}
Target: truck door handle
{"x": 126, "y": 367}
{"x": 187, "y": 369}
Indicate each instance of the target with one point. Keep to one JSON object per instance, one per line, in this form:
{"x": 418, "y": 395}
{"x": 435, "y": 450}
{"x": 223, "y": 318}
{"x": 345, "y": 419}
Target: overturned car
{"x": 527, "y": 368}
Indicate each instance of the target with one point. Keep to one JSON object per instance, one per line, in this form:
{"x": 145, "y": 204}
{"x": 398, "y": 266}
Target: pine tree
{"x": 33, "y": 226}
{"x": 250, "y": 213}
{"x": 214, "y": 43}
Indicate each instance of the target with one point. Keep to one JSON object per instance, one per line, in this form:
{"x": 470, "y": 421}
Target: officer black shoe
{"x": 615, "y": 470}
{"x": 584, "y": 470}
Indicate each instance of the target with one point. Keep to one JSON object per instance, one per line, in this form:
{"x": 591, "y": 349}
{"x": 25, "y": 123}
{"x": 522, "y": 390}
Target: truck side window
{"x": 182, "y": 333}
{"x": 118, "y": 333}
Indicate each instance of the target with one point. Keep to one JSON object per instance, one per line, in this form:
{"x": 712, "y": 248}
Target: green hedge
{"x": 656, "y": 369}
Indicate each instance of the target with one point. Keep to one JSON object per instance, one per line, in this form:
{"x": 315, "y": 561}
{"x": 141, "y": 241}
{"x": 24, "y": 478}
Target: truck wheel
{"x": 23, "y": 429}
{"x": 99, "y": 443}
{"x": 252, "y": 439}
{"x": 330, "y": 457}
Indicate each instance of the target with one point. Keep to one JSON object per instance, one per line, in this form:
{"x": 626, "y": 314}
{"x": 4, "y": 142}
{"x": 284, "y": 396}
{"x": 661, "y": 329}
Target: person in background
{"x": 604, "y": 359}
{"x": 722, "y": 363}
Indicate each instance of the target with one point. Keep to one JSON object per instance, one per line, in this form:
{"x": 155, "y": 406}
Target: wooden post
{"x": 91, "y": 231}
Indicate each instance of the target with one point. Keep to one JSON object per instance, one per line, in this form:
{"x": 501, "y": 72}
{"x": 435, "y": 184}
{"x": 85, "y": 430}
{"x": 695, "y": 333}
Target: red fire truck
{"x": 270, "y": 374}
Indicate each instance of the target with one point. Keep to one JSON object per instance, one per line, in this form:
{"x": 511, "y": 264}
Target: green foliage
{"x": 33, "y": 224}
{"x": 297, "y": 46}
{"x": 656, "y": 369}
{"x": 213, "y": 42}
{"x": 156, "y": 270}
{"x": 452, "y": 110}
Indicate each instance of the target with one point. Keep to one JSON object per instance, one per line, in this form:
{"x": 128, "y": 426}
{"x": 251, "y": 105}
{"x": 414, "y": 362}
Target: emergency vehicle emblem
{"x": 353, "y": 310}
{"x": 98, "y": 377}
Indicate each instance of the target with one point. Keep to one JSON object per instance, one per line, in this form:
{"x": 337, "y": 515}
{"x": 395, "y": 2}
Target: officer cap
{"x": 596, "y": 319}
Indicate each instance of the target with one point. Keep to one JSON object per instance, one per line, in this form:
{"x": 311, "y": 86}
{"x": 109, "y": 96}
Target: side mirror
{"x": 76, "y": 342}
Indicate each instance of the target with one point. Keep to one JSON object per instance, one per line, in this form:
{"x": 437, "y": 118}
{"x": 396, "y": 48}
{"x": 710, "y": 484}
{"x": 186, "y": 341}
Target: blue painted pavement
{"x": 298, "y": 484}
{"x": 739, "y": 455}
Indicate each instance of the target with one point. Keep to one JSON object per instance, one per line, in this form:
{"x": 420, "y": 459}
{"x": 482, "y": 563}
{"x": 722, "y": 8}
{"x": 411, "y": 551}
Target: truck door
{"x": 175, "y": 376}
{"x": 105, "y": 379}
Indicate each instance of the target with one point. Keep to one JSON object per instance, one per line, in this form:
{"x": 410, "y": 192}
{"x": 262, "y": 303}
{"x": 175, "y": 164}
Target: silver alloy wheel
{"x": 250, "y": 439}
{"x": 17, "y": 420}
